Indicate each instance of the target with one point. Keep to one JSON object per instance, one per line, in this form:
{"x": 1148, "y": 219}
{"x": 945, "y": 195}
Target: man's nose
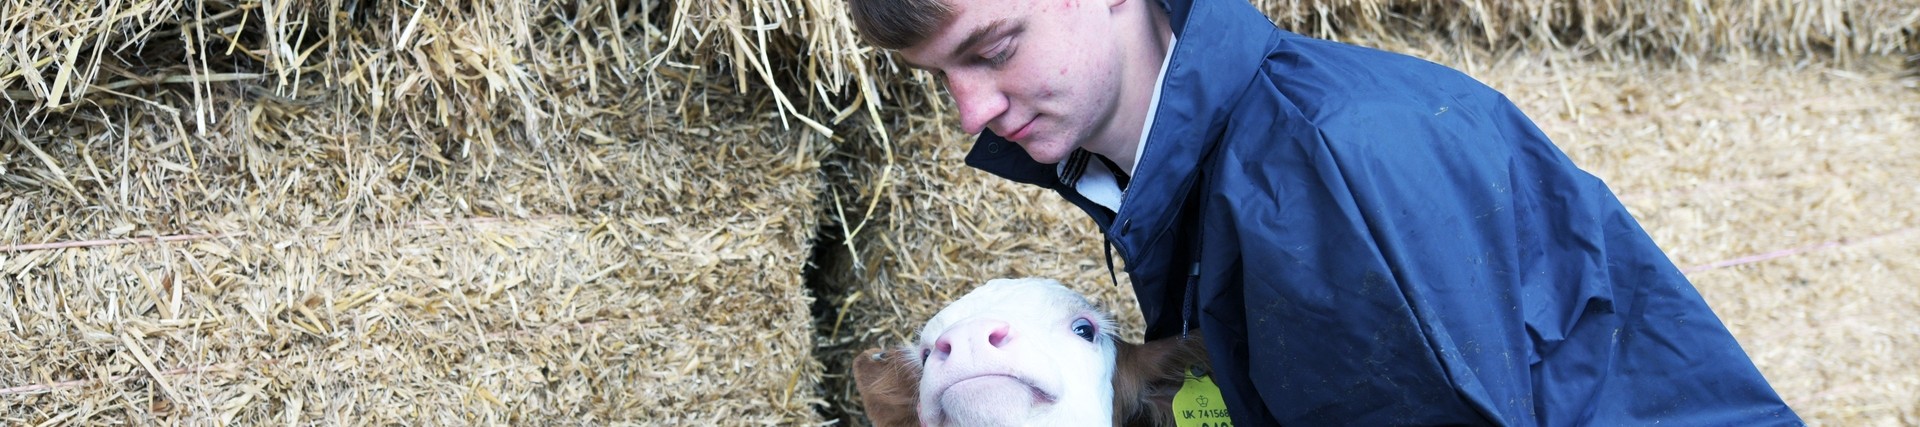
{"x": 971, "y": 339}
{"x": 978, "y": 99}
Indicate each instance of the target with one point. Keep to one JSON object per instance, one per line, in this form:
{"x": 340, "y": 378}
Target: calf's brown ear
{"x": 1146, "y": 376}
{"x": 889, "y": 386}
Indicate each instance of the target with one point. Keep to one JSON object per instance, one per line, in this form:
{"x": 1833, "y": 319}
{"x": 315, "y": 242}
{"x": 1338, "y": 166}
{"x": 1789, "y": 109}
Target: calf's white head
{"x": 1015, "y": 352}
{"x": 1023, "y": 352}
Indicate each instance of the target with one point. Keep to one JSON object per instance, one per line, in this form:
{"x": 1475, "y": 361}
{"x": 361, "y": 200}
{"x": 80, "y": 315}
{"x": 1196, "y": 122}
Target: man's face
{"x": 1042, "y": 73}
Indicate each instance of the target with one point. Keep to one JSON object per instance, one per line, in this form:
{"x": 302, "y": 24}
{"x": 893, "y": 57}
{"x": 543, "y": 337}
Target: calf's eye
{"x": 1083, "y": 328}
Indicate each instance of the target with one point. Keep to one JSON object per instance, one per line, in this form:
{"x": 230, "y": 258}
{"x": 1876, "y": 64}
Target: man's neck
{"x": 1120, "y": 140}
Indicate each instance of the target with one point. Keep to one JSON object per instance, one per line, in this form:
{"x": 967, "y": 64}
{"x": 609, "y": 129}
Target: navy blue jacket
{"x": 1368, "y": 238}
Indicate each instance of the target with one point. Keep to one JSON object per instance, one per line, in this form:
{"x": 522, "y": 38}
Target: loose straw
{"x": 229, "y": 366}
{"x": 192, "y": 237}
{"x": 43, "y": 388}
{"x": 1749, "y": 259}
{"x": 110, "y": 242}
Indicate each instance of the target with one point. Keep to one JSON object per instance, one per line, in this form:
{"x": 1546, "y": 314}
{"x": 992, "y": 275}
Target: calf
{"x": 1024, "y": 352}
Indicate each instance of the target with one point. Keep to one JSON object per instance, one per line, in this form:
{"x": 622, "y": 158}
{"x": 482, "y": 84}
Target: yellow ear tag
{"x": 1198, "y": 404}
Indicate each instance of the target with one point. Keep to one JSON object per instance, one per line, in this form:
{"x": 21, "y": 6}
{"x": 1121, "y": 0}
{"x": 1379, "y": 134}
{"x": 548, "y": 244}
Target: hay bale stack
{"x": 452, "y": 214}
{"x": 508, "y": 322}
{"x": 599, "y": 211}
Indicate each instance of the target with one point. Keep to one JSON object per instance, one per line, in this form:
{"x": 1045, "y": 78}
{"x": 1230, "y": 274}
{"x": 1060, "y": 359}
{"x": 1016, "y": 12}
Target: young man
{"x": 1365, "y": 238}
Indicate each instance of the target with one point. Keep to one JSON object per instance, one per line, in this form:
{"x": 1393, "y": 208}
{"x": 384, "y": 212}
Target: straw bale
{"x": 670, "y": 293}
{"x": 492, "y": 323}
{"x": 802, "y": 55}
{"x": 477, "y": 64}
{"x": 1688, "y": 30}
{"x": 450, "y": 213}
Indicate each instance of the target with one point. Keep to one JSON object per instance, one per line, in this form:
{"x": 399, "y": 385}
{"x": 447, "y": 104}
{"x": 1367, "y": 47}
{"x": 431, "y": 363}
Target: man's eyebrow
{"x": 979, "y": 34}
{"x": 974, "y": 38}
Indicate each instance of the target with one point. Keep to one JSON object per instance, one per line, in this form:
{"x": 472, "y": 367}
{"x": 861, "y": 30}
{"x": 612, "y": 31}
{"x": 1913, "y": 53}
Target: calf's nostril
{"x": 968, "y": 338}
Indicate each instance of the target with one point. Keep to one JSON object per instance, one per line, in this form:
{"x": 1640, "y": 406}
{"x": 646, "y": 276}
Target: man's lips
{"x": 1020, "y": 135}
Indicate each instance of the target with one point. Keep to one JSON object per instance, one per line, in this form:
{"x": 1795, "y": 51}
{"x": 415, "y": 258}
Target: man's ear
{"x": 1146, "y": 377}
{"x": 889, "y": 385}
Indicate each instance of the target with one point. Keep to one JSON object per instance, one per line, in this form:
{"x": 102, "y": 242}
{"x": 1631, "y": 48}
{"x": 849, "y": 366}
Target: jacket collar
{"x": 1222, "y": 46}
{"x": 999, "y": 156}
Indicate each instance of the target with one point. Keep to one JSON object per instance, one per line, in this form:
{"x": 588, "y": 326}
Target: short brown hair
{"x": 898, "y": 24}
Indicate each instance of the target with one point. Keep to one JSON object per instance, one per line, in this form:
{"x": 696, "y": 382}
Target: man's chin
{"x": 1048, "y": 152}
